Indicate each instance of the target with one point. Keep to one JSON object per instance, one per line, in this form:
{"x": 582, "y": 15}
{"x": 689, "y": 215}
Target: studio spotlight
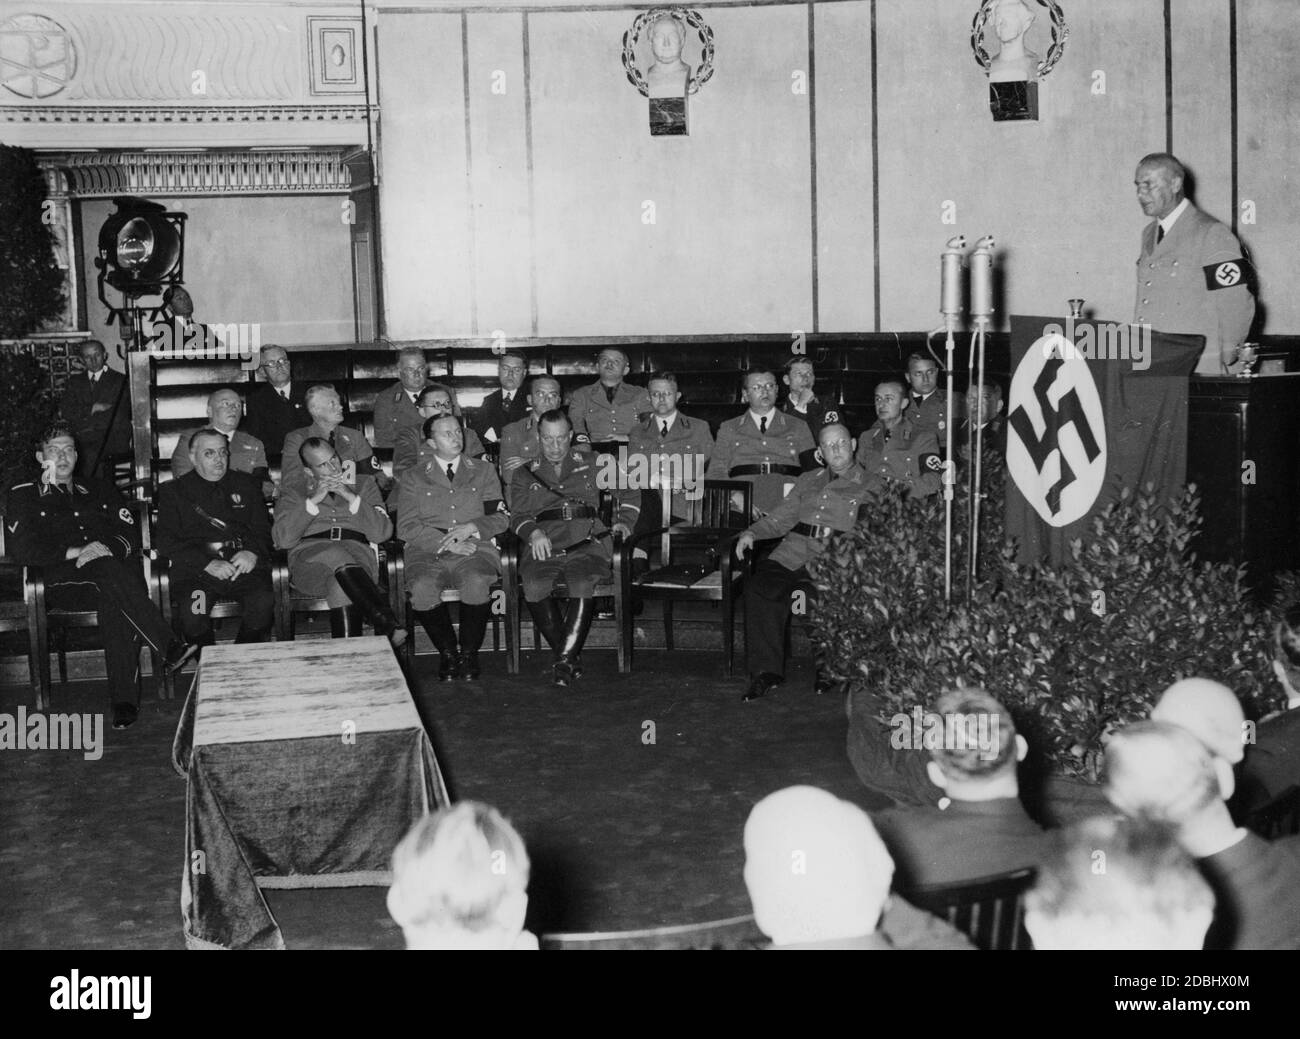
{"x": 141, "y": 248}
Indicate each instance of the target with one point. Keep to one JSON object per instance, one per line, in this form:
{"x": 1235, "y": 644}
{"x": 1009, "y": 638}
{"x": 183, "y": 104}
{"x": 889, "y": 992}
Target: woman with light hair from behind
{"x": 460, "y": 881}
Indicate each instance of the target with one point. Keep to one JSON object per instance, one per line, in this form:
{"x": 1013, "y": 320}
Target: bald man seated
{"x": 1151, "y": 895}
{"x": 1160, "y": 773}
{"x": 247, "y": 453}
{"x": 819, "y": 878}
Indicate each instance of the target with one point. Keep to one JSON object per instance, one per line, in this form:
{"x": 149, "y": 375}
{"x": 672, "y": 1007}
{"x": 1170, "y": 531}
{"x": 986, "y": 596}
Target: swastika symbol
{"x": 1228, "y": 274}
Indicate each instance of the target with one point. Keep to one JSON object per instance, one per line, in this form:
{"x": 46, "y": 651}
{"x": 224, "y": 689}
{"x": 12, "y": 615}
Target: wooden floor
{"x": 630, "y": 793}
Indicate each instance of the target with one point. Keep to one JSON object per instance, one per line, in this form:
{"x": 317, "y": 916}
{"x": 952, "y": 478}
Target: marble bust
{"x": 1013, "y": 63}
{"x": 668, "y": 76}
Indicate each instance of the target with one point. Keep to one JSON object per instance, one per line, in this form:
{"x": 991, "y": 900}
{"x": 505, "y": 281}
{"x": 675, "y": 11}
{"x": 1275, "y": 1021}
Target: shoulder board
{"x": 20, "y": 486}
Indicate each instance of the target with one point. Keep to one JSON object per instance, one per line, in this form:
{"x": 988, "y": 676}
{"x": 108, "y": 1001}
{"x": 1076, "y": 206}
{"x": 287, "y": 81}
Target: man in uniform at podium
{"x": 555, "y": 505}
{"x": 1192, "y": 277}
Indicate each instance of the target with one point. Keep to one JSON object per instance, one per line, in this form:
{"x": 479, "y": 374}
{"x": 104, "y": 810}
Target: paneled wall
{"x": 519, "y": 175}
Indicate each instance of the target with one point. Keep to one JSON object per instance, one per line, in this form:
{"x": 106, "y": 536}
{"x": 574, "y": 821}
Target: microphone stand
{"x": 950, "y": 306}
{"x": 981, "y": 312}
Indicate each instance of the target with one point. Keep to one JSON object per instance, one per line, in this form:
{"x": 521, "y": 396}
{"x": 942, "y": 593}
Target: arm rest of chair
{"x": 727, "y": 557}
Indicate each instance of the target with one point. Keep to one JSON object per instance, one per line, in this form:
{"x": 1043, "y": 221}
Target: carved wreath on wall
{"x": 1060, "y": 33}
{"x": 688, "y": 20}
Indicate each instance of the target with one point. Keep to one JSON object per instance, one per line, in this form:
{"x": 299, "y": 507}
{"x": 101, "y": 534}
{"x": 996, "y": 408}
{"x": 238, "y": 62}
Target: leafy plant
{"x": 1074, "y": 651}
{"x": 31, "y": 284}
{"x": 29, "y": 407}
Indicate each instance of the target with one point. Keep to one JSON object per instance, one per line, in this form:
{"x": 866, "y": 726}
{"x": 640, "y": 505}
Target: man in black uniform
{"x": 213, "y": 528}
{"x": 85, "y": 536}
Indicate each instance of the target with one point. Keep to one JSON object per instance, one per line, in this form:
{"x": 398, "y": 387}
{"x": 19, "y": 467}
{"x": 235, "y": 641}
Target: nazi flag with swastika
{"x": 1094, "y": 407}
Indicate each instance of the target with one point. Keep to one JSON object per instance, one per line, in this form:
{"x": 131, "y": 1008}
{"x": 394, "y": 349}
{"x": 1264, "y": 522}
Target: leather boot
{"x": 443, "y": 636}
{"x": 367, "y": 597}
{"x": 581, "y": 613}
{"x": 473, "y": 626}
{"x": 548, "y": 620}
{"x": 345, "y": 622}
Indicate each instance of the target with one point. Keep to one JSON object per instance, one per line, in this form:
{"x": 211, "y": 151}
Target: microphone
{"x": 981, "y": 279}
{"x": 950, "y": 281}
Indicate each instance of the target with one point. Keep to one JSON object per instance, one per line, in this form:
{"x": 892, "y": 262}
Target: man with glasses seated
{"x": 325, "y": 407}
{"x": 84, "y": 535}
{"x": 247, "y": 453}
{"x": 764, "y": 446}
{"x": 396, "y": 405}
{"x": 519, "y": 440}
{"x": 505, "y": 405}
{"x": 328, "y": 523}
{"x": 433, "y": 401}
{"x": 670, "y": 446}
{"x": 276, "y": 407}
{"x": 214, "y": 532}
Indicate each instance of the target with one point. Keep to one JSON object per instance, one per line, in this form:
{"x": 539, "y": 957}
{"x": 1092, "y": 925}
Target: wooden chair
{"x": 55, "y": 621}
{"x": 988, "y": 910}
{"x": 18, "y": 613}
{"x": 402, "y": 601}
{"x": 717, "y": 519}
{"x": 290, "y": 602}
{"x": 1279, "y": 818}
{"x": 739, "y": 932}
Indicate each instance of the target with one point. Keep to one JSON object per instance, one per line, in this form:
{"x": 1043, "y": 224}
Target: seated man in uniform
{"x": 520, "y": 443}
{"x": 823, "y": 502}
{"x": 460, "y": 881}
{"x": 328, "y": 524}
{"x": 928, "y": 400}
{"x": 247, "y": 453}
{"x": 505, "y": 405}
{"x": 395, "y": 405}
{"x": 994, "y": 429}
{"x": 605, "y": 412}
{"x": 895, "y": 449}
{"x": 763, "y": 446}
{"x": 984, "y": 829}
{"x": 669, "y": 446}
{"x": 799, "y": 379}
{"x": 355, "y": 453}
{"x": 555, "y": 504}
{"x": 84, "y": 535}
{"x": 448, "y": 510}
{"x": 432, "y": 401}
{"x": 1151, "y": 895}
{"x": 213, "y": 530}
{"x": 276, "y": 407}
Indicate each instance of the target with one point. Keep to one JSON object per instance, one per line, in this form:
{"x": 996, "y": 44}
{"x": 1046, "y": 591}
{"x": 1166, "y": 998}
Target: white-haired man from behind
{"x": 460, "y": 881}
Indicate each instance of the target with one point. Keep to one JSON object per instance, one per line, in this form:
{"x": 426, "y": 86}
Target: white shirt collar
{"x": 756, "y": 418}
{"x": 670, "y": 419}
{"x": 454, "y": 463}
{"x": 1168, "y": 222}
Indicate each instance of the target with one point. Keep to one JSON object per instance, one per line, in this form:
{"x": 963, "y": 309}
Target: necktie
{"x": 1160, "y": 233}
{"x": 451, "y": 473}
{"x": 506, "y": 398}
{"x": 609, "y": 393}
{"x": 762, "y": 425}
{"x": 331, "y": 438}
{"x": 284, "y": 394}
{"x": 663, "y": 431}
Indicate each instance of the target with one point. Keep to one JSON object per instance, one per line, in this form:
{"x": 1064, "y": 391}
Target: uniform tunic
{"x": 428, "y": 505}
{"x": 740, "y": 443}
{"x": 581, "y": 552}
{"x": 42, "y": 522}
{"x": 410, "y": 445}
{"x": 1173, "y": 279}
{"x": 907, "y": 453}
{"x": 247, "y": 454}
{"x": 688, "y": 446}
{"x": 594, "y": 416}
{"x": 350, "y": 445}
{"x": 394, "y": 412}
{"x": 932, "y": 413}
{"x": 821, "y": 500}
{"x": 520, "y": 440}
{"x": 312, "y": 562}
{"x": 186, "y": 539}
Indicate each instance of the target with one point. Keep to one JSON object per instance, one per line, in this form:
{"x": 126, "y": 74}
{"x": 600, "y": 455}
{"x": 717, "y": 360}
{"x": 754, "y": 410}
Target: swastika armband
{"x": 1227, "y": 274}
{"x": 930, "y": 462}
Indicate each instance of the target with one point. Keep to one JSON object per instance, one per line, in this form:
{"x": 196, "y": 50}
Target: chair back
{"x": 988, "y": 910}
{"x": 1279, "y": 818}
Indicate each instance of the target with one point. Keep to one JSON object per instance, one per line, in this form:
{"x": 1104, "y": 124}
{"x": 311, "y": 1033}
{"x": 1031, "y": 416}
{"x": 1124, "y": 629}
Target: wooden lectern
{"x": 1243, "y": 436}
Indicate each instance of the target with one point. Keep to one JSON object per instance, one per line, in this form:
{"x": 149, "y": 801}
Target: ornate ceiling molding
{"x": 322, "y": 113}
{"x": 180, "y": 173}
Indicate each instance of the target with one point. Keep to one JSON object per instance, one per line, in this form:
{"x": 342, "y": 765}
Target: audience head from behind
{"x": 225, "y": 409}
{"x": 1286, "y": 662}
{"x": 1160, "y": 772}
{"x": 1108, "y": 883}
{"x": 275, "y": 365}
{"x": 815, "y": 868}
{"x": 977, "y": 757}
{"x": 1210, "y": 711}
{"x": 325, "y": 406}
{"x": 460, "y": 881}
